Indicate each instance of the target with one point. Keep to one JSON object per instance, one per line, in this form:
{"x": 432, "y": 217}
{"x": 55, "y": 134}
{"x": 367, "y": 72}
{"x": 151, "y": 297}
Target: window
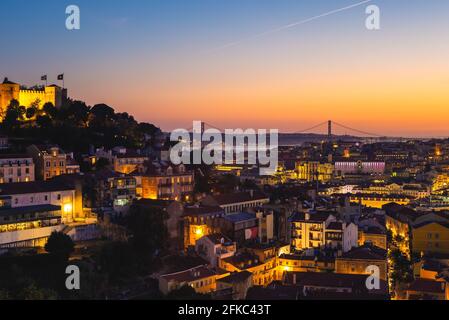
{"x": 429, "y": 236}
{"x": 47, "y": 164}
{"x": 59, "y": 196}
{"x": 437, "y": 235}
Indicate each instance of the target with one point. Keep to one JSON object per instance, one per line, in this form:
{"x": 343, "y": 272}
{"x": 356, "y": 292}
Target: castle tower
{"x": 8, "y": 91}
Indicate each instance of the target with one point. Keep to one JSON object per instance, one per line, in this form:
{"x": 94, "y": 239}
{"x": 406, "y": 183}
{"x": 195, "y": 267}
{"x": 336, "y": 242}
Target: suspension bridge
{"x": 328, "y": 128}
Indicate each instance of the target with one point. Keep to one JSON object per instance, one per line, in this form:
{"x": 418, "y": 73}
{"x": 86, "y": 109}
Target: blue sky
{"x": 144, "y": 56}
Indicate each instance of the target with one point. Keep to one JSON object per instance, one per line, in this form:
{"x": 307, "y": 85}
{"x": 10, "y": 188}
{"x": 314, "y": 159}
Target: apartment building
{"x": 129, "y": 162}
{"x": 200, "y": 278}
{"x": 357, "y": 261}
{"x": 321, "y": 229}
{"x": 215, "y": 247}
{"x": 167, "y": 182}
{"x": 30, "y": 211}
{"x": 112, "y": 189}
{"x": 308, "y": 229}
{"x": 16, "y": 168}
{"x": 50, "y": 161}
{"x": 238, "y": 201}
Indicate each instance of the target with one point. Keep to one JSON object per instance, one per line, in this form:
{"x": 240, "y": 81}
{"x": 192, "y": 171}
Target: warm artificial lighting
{"x": 198, "y": 231}
{"x": 67, "y": 208}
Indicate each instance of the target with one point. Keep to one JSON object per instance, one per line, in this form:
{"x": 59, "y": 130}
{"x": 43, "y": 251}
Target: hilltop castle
{"x": 10, "y": 90}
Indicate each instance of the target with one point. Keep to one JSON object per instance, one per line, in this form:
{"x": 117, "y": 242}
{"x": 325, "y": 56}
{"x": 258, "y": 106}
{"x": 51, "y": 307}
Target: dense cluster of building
{"x": 333, "y": 212}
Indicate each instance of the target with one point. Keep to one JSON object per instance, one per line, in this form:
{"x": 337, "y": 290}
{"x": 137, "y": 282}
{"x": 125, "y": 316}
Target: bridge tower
{"x": 329, "y": 130}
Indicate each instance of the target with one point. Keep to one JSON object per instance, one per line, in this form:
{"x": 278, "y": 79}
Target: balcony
{"x": 315, "y": 238}
{"x": 165, "y": 185}
{"x": 296, "y": 234}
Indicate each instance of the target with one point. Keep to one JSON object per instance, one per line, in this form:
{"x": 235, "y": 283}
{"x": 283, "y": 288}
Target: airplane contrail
{"x": 291, "y": 25}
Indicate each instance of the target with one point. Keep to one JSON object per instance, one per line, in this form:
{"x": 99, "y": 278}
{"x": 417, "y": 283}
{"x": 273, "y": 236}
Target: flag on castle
{"x": 44, "y": 78}
{"x": 60, "y": 76}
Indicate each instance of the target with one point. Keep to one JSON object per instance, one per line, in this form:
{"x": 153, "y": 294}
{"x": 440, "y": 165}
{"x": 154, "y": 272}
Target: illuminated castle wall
{"x": 10, "y": 90}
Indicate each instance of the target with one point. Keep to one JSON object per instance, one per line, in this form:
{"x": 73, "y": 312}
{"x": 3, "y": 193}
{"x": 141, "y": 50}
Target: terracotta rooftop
{"x": 314, "y": 217}
{"x": 189, "y": 275}
{"x": 335, "y": 226}
{"x": 426, "y": 285}
{"x": 218, "y": 238}
{"x": 202, "y": 210}
{"x": 33, "y": 187}
{"x": 365, "y": 252}
{"x": 236, "y": 277}
{"x": 15, "y": 156}
{"x": 238, "y": 197}
{"x": 356, "y": 282}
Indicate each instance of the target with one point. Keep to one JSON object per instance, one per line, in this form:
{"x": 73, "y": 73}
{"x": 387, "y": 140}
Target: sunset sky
{"x": 167, "y": 61}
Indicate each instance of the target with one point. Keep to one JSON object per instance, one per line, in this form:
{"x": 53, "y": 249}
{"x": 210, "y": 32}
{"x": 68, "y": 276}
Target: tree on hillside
{"x": 50, "y": 110}
{"x": 33, "y": 292}
{"x": 75, "y": 114}
{"x": 60, "y": 245}
{"x": 103, "y": 112}
{"x": 148, "y": 228}
{"x": 12, "y": 115}
{"x": 30, "y": 112}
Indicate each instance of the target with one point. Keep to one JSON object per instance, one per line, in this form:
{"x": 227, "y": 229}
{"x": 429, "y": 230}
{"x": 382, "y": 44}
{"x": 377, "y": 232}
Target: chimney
{"x": 307, "y": 216}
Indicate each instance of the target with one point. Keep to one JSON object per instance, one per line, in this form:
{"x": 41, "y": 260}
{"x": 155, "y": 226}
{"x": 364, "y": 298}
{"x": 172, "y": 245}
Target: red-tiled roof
{"x": 366, "y": 252}
{"x": 202, "y": 210}
{"x": 427, "y": 285}
{"x": 236, "y": 277}
{"x": 33, "y": 187}
{"x": 15, "y": 156}
{"x": 314, "y": 217}
{"x": 189, "y": 275}
{"x": 239, "y": 197}
{"x": 356, "y": 282}
{"x": 218, "y": 238}
{"x": 335, "y": 226}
